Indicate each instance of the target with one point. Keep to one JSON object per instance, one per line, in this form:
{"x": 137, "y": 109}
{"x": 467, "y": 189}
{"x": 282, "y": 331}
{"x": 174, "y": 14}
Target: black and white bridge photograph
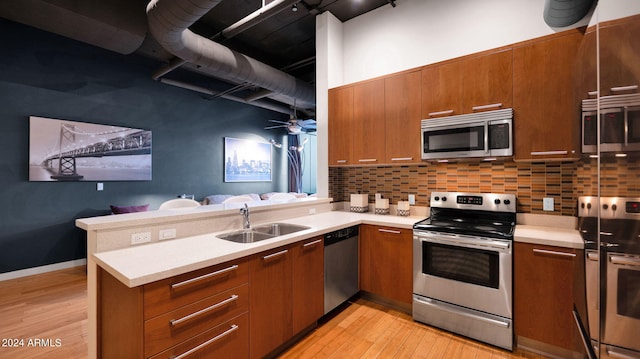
{"x": 62, "y": 150}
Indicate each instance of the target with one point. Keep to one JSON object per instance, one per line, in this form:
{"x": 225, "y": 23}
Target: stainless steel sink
{"x": 279, "y": 229}
{"x": 260, "y": 233}
{"x": 245, "y": 236}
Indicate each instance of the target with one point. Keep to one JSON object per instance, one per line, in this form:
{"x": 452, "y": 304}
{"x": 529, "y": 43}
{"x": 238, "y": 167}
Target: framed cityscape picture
{"x": 62, "y": 150}
{"x": 246, "y": 160}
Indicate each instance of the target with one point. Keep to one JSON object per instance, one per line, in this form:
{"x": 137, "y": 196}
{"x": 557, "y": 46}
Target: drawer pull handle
{"x": 312, "y": 243}
{"x": 388, "y": 231}
{"x": 624, "y": 88}
{"x": 548, "y": 153}
{"x": 485, "y": 107}
{"x": 206, "y": 276}
{"x": 275, "y": 254}
{"x": 232, "y": 329}
{"x": 229, "y": 300}
{"x": 341, "y": 161}
{"x": 402, "y": 159}
{"x": 554, "y": 253}
{"x": 368, "y": 160}
{"x": 439, "y": 113}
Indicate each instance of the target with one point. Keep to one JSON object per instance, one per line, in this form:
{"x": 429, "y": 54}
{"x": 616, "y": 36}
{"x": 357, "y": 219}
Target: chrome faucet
{"x": 245, "y": 216}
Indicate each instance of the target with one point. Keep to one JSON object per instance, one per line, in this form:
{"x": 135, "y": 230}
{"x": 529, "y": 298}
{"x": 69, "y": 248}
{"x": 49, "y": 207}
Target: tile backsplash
{"x": 530, "y": 182}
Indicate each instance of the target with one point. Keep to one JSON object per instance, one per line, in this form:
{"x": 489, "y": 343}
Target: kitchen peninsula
{"x": 116, "y": 264}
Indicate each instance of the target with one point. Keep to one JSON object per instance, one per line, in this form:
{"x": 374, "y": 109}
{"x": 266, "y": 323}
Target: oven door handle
{"x": 621, "y": 260}
{"x": 468, "y": 242}
{"x": 445, "y": 307}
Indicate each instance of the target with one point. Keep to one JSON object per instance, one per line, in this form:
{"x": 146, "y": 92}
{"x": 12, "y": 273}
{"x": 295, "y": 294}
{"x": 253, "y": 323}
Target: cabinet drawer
{"x": 228, "y": 340}
{"x": 166, "y": 295}
{"x": 171, "y": 328}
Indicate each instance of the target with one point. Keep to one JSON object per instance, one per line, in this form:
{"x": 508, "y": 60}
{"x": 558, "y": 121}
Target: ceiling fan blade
{"x": 272, "y": 127}
{"x": 281, "y": 122}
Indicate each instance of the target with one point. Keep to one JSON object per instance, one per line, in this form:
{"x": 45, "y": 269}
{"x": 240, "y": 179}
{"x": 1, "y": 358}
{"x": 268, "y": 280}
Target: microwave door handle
{"x": 487, "y": 150}
{"x": 626, "y": 126}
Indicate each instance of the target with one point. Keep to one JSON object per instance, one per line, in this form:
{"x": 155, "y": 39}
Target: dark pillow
{"x": 129, "y": 209}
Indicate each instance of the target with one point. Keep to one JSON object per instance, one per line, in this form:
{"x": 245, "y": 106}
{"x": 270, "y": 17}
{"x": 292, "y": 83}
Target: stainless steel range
{"x": 462, "y": 261}
{"x": 614, "y": 267}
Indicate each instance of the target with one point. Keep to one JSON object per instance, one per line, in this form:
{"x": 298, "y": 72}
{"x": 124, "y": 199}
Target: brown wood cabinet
{"x": 402, "y": 116}
{"x": 546, "y": 119}
{"x": 488, "y": 81}
{"x": 270, "y": 301}
{"x": 548, "y": 281}
{"x": 386, "y": 262}
{"x": 340, "y": 126}
{"x": 308, "y": 282}
{"x": 205, "y": 309}
{"x": 619, "y": 53}
{"x": 442, "y": 90}
{"x": 368, "y": 123}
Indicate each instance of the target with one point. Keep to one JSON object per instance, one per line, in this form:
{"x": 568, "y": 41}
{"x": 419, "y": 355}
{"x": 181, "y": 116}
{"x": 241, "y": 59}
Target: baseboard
{"x": 42, "y": 269}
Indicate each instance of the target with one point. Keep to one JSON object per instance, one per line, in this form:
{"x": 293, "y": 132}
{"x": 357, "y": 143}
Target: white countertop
{"x": 139, "y": 265}
{"x": 552, "y": 236}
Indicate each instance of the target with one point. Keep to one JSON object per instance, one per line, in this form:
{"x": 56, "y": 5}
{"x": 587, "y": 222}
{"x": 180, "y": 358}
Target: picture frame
{"x": 247, "y": 160}
{"x": 64, "y": 150}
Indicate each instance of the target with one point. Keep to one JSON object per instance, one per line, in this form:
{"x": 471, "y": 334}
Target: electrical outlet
{"x": 547, "y": 204}
{"x": 99, "y": 186}
{"x": 312, "y": 211}
{"x": 142, "y": 237}
{"x": 167, "y": 233}
{"x": 412, "y": 199}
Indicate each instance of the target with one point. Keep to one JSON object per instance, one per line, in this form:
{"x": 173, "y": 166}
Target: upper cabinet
{"x": 368, "y": 123}
{"x": 619, "y": 54}
{"x": 476, "y": 83}
{"x": 546, "y": 125}
{"x": 442, "y": 90}
{"x": 488, "y": 82}
{"x": 402, "y": 117}
{"x": 340, "y": 126}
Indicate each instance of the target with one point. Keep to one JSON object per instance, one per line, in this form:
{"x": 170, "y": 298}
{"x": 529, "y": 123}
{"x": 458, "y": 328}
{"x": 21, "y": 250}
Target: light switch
{"x": 412, "y": 199}
{"x": 100, "y": 186}
{"x": 547, "y": 204}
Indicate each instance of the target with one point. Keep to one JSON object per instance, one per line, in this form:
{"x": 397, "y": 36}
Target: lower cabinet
{"x": 548, "y": 281}
{"x": 386, "y": 262}
{"x": 200, "y": 314}
{"x": 287, "y": 293}
{"x": 239, "y": 309}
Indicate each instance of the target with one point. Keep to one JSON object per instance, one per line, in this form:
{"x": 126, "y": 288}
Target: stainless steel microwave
{"x": 483, "y": 134}
{"x": 619, "y": 124}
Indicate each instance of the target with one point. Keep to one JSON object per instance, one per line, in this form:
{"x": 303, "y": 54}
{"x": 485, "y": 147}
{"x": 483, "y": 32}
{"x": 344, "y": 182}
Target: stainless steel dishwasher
{"x": 340, "y": 267}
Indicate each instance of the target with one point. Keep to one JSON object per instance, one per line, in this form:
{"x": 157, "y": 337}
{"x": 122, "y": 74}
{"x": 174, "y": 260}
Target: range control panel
{"x": 494, "y": 202}
{"x": 609, "y": 207}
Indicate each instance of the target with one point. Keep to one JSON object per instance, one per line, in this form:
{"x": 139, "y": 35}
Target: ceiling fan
{"x": 295, "y": 126}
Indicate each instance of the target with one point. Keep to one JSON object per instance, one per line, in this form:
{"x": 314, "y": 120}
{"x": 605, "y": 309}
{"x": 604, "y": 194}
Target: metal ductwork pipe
{"x": 561, "y": 13}
{"x": 169, "y": 22}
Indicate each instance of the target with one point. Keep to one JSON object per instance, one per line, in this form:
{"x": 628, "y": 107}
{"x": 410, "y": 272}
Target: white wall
{"x": 421, "y": 32}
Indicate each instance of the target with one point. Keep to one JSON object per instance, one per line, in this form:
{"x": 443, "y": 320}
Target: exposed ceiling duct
{"x": 561, "y": 13}
{"x": 169, "y": 23}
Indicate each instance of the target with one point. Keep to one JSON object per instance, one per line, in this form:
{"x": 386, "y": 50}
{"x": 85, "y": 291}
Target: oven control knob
{"x": 444, "y": 199}
{"x": 614, "y": 207}
{"x": 436, "y": 198}
{"x": 605, "y": 206}
{"x": 582, "y": 205}
{"x": 496, "y": 201}
{"x": 588, "y": 205}
{"x": 507, "y": 202}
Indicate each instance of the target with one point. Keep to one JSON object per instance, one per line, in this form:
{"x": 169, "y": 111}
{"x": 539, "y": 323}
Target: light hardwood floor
{"x": 53, "y": 307}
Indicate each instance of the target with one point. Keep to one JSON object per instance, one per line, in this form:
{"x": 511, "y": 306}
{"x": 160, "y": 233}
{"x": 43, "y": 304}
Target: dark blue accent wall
{"x": 46, "y": 75}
